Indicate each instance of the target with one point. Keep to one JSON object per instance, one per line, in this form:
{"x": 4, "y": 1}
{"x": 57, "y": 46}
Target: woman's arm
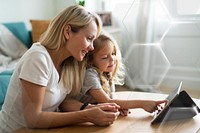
{"x": 32, "y": 100}
{"x": 148, "y": 105}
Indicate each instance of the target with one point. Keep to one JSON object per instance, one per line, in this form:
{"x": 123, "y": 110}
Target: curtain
{"x": 145, "y": 61}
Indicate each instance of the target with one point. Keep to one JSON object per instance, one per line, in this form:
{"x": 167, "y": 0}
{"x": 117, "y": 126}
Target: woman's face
{"x": 80, "y": 43}
{"x": 105, "y": 58}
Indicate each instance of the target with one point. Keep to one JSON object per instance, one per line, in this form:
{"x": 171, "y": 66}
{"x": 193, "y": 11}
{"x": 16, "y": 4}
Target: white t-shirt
{"x": 35, "y": 66}
{"x": 92, "y": 81}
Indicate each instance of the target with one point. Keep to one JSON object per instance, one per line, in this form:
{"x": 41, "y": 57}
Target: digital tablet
{"x": 180, "y": 106}
{"x": 159, "y": 114}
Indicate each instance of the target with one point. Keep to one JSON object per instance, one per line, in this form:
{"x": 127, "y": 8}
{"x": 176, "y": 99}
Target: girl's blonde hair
{"x": 117, "y": 76}
{"x": 73, "y": 72}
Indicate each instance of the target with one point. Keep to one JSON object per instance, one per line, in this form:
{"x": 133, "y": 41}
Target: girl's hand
{"x": 124, "y": 112}
{"x": 115, "y": 107}
{"x": 151, "y": 106}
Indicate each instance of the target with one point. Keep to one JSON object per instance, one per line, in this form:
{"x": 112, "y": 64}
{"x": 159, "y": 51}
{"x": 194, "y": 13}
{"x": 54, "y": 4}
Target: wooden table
{"x": 138, "y": 121}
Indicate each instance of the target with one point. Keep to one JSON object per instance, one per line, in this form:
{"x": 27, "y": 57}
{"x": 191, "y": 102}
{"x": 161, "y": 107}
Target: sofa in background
{"x": 20, "y": 31}
{"x": 27, "y": 37}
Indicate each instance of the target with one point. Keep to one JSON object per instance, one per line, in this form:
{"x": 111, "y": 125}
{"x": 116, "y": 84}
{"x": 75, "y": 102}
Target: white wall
{"x": 24, "y": 10}
{"x": 180, "y": 45}
{"x": 61, "y": 4}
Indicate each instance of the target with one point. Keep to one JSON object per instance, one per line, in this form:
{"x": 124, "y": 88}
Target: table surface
{"x": 138, "y": 121}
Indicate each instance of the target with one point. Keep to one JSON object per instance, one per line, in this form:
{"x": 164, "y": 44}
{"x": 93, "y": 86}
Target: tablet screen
{"x": 174, "y": 93}
{"x": 170, "y": 98}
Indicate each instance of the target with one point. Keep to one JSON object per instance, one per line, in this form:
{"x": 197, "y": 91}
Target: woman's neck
{"x": 57, "y": 56}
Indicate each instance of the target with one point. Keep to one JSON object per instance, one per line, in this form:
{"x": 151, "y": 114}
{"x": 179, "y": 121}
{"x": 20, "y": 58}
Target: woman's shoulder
{"x": 37, "y": 50}
{"x": 37, "y": 53}
{"x": 38, "y": 47}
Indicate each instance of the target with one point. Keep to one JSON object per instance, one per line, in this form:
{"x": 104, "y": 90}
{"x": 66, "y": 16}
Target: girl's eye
{"x": 113, "y": 53}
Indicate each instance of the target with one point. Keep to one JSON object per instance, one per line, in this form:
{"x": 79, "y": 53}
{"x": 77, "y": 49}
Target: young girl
{"x": 103, "y": 72}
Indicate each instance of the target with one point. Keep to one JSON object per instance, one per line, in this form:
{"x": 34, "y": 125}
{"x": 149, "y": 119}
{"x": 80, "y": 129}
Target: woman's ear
{"x": 67, "y": 30}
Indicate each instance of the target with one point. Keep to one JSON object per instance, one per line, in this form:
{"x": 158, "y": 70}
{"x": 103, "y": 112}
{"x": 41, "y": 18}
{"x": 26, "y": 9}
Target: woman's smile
{"x": 84, "y": 52}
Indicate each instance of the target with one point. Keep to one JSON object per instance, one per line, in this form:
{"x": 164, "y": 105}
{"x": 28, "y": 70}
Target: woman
{"x": 51, "y": 73}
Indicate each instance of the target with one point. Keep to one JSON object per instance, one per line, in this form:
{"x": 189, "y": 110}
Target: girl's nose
{"x": 112, "y": 58}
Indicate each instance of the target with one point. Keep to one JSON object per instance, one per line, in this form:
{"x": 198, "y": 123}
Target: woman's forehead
{"x": 91, "y": 28}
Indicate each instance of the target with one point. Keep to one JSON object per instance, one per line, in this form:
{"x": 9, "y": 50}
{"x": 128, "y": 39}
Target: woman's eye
{"x": 105, "y": 57}
{"x": 90, "y": 39}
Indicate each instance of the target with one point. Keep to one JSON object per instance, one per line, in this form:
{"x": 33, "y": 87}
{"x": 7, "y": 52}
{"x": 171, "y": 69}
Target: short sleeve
{"x": 35, "y": 68}
{"x": 91, "y": 81}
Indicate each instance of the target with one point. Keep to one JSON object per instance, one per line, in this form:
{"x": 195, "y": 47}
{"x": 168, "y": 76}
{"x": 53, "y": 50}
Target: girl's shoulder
{"x": 92, "y": 71}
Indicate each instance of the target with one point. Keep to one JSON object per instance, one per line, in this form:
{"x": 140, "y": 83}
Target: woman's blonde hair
{"x": 77, "y": 17}
{"x": 117, "y": 76}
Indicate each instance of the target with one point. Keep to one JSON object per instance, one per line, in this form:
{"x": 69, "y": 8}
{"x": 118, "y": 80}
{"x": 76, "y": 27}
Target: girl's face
{"x": 80, "y": 43}
{"x": 105, "y": 58}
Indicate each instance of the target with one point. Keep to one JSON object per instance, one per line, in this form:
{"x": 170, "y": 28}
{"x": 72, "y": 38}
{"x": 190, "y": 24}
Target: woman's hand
{"x": 103, "y": 114}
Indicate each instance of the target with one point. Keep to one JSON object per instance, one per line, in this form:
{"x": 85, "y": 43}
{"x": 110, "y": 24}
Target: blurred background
{"x": 159, "y": 39}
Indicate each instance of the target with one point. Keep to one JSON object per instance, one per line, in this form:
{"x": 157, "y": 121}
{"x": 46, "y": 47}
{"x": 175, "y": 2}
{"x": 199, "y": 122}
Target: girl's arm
{"x": 148, "y": 105}
{"x": 70, "y": 104}
{"x": 32, "y": 100}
